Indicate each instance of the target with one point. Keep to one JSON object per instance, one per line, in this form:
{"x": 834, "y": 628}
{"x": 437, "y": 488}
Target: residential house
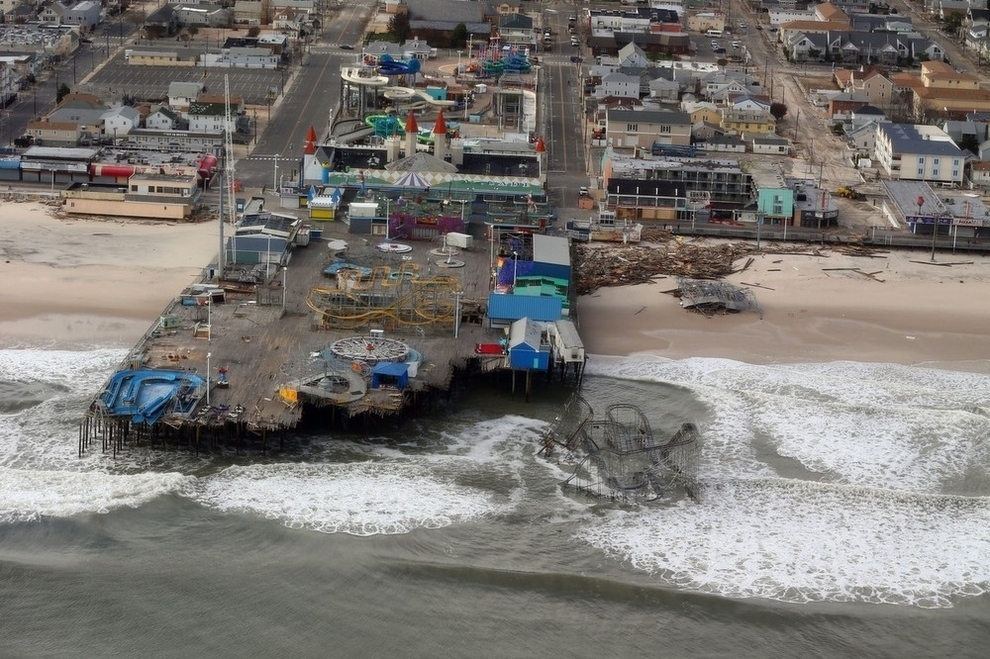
{"x": 617, "y": 84}
{"x": 879, "y": 89}
{"x": 664, "y": 89}
{"x": 119, "y": 121}
{"x": 85, "y": 15}
{"x": 206, "y": 117}
{"x": 863, "y": 137}
{"x": 980, "y": 174}
{"x": 747, "y": 122}
{"x": 53, "y": 13}
{"x": 516, "y": 30}
{"x": 960, "y": 130}
{"x": 10, "y": 83}
{"x": 702, "y": 112}
{"x": 84, "y": 110}
{"x": 723, "y": 144}
{"x": 161, "y": 22}
{"x": 717, "y": 86}
{"x": 944, "y": 92}
{"x": 632, "y": 56}
{"x": 507, "y": 7}
{"x": 204, "y": 15}
{"x": 749, "y": 102}
{"x": 633, "y": 130}
{"x": 289, "y": 19}
{"x": 237, "y": 105}
{"x": 181, "y": 94}
{"x": 843, "y": 104}
{"x": 770, "y": 145}
{"x": 976, "y": 35}
{"x": 702, "y": 131}
{"x": 54, "y": 133}
{"x": 162, "y": 118}
{"x": 919, "y": 152}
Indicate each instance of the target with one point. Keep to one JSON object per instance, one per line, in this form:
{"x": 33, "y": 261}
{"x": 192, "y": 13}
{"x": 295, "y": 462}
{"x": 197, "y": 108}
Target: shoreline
{"x": 92, "y": 280}
{"x": 84, "y": 281}
{"x": 813, "y": 309}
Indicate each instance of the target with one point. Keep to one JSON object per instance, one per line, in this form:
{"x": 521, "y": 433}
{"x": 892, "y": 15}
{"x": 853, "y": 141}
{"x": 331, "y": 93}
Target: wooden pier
{"x": 262, "y": 336}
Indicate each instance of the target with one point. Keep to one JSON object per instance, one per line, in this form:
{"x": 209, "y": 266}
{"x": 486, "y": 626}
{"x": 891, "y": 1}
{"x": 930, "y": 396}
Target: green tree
{"x": 952, "y": 23}
{"x": 778, "y": 110}
{"x": 62, "y": 91}
{"x": 969, "y": 143}
{"x": 458, "y": 38}
{"x": 398, "y": 25}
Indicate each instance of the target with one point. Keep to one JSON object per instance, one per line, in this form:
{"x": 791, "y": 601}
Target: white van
{"x": 714, "y": 33}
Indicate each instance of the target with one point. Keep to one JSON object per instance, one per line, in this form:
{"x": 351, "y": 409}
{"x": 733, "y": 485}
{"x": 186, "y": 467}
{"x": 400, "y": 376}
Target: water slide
{"x": 392, "y": 67}
{"x": 389, "y": 124}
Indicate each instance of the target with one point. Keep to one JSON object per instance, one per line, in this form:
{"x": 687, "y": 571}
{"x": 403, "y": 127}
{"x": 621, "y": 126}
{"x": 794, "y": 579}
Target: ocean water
{"x": 844, "y": 511}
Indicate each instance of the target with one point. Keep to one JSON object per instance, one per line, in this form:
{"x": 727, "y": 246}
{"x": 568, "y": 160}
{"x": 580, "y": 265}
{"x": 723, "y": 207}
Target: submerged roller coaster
{"x": 617, "y": 456}
{"x": 385, "y": 298}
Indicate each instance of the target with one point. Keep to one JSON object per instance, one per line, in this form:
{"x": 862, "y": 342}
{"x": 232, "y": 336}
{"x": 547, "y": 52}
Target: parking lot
{"x": 118, "y": 78}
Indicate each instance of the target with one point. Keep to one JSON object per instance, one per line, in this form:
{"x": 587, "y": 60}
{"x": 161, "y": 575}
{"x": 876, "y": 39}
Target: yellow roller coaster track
{"x": 385, "y": 297}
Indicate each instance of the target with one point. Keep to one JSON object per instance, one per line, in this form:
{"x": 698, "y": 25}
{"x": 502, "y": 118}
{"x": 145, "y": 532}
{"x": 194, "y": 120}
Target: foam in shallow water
{"x": 30, "y": 495}
{"x": 805, "y": 542}
{"x": 826, "y": 482}
{"x": 368, "y": 498}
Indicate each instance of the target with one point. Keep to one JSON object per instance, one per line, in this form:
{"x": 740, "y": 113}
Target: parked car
{"x": 583, "y": 191}
{"x": 345, "y": 46}
{"x": 576, "y": 59}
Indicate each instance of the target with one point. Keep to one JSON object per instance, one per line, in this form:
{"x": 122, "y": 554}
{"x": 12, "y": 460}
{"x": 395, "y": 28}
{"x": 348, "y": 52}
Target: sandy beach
{"x": 69, "y": 280}
{"x": 813, "y": 308}
{"x": 80, "y": 280}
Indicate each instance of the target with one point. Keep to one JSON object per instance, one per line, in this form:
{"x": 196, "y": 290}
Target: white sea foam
{"x": 476, "y": 471}
{"x": 367, "y": 498}
{"x": 805, "y": 542}
{"x": 29, "y": 495}
{"x": 878, "y": 425}
{"x": 871, "y": 451}
{"x": 79, "y": 371}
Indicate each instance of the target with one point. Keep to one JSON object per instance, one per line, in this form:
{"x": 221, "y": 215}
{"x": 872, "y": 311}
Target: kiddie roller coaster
{"x": 617, "y": 456}
{"x": 385, "y": 297}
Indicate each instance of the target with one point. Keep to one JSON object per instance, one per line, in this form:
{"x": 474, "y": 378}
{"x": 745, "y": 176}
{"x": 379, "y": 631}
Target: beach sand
{"x": 86, "y": 281}
{"x": 72, "y": 280}
{"x": 811, "y": 310}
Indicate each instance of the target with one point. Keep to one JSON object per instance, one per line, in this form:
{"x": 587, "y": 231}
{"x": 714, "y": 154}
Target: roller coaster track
{"x": 386, "y": 297}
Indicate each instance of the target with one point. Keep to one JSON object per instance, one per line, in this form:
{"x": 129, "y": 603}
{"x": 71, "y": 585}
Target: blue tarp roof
{"x": 514, "y": 307}
{"x": 395, "y": 369}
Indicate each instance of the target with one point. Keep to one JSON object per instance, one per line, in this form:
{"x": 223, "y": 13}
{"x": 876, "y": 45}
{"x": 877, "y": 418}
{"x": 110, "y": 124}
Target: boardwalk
{"x": 259, "y": 346}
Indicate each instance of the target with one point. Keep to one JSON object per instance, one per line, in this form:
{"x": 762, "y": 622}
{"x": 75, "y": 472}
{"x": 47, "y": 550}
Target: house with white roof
{"x": 119, "y": 121}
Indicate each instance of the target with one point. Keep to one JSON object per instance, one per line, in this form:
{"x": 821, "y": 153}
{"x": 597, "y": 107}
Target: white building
{"x": 919, "y": 153}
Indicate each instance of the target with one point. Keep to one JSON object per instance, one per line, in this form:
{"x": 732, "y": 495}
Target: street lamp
{"x": 208, "y": 355}
{"x": 515, "y": 269}
{"x": 275, "y": 173}
{"x": 285, "y": 275}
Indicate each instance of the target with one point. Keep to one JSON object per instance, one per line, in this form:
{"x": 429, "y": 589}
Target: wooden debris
{"x": 945, "y": 264}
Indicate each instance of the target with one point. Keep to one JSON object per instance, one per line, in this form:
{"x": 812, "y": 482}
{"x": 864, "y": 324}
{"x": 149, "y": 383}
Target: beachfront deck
{"x": 264, "y": 337}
